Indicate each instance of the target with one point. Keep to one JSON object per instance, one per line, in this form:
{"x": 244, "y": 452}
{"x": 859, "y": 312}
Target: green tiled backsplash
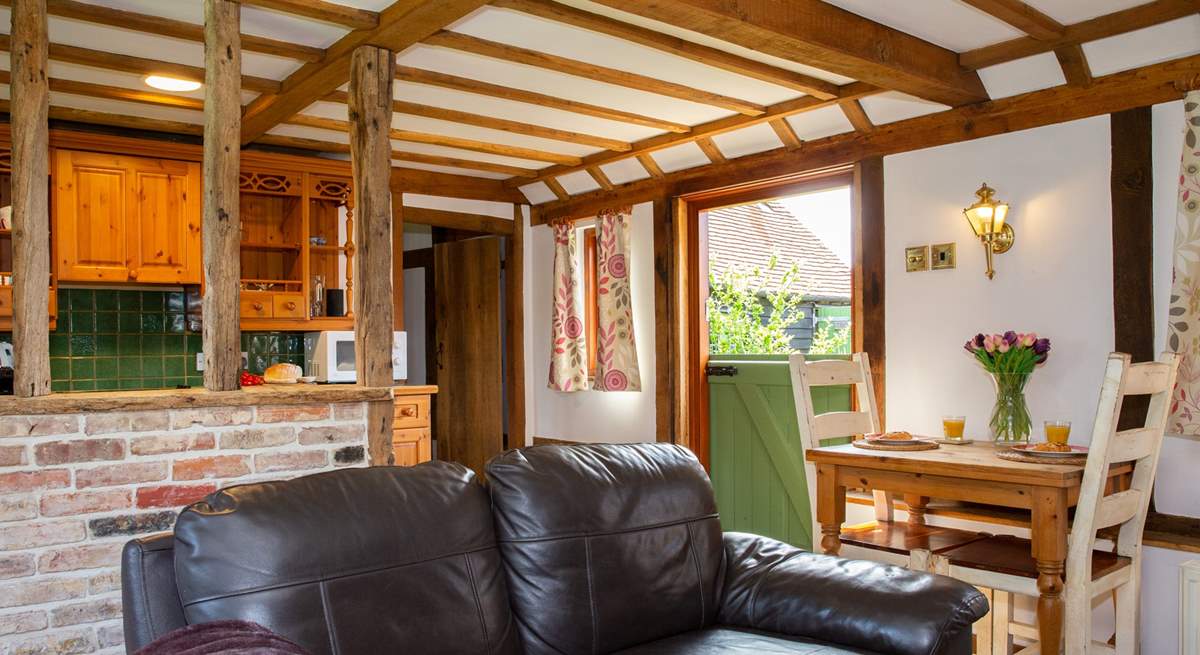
{"x": 117, "y": 339}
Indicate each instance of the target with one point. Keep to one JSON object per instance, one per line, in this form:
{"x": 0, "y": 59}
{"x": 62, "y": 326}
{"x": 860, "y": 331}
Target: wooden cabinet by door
{"x": 410, "y": 431}
{"x": 126, "y": 219}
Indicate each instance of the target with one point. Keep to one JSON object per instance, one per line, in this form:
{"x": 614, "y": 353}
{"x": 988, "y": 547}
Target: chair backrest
{"x": 817, "y": 428}
{"x": 1138, "y": 446}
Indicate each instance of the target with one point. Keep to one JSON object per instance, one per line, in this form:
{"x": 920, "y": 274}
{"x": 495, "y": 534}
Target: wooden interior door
{"x": 90, "y": 200}
{"x": 469, "y": 418}
{"x": 164, "y": 235}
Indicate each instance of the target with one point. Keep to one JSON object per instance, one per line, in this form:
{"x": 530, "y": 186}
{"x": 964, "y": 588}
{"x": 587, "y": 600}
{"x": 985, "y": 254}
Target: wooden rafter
{"x": 118, "y": 120}
{"x": 819, "y": 34}
{"x": 857, "y": 116}
{"x": 556, "y": 188}
{"x": 518, "y": 152}
{"x": 650, "y": 164}
{"x": 673, "y": 45}
{"x": 711, "y": 150}
{"x": 1021, "y": 16}
{"x": 159, "y": 26}
{"x": 784, "y": 109}
{"x": 458, "y": 220}
{"x": 1120, "y": 22}
{"x": 329, "y": 12}
{"x": 1147, "y": 85}
{"x": 318, "y": 145}
{"x": 92, "y": 90}
{"x": 600, "y": 177}
{"x": 787, "y": 135}
{"x": 491, "y": 122}
{"x": 1074, "y": 65}
{"x": 138, "y": 65}
{"x": 400, "y": 25}
{"x": 467, "y": 85}
{"x": 527, "y": 57}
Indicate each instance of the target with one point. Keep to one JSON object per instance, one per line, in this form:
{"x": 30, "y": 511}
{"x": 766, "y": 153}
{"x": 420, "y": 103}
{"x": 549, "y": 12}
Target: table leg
{"x": 1049, "y": 544}
{"x": 1050, "y": 606}
{"x": 831, "y": 508}
{"x": 916, "y": 508}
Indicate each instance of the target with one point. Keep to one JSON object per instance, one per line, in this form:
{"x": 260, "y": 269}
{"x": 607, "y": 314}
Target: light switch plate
{"x": 942, "y": 256}
{"x": 916, "y": 258}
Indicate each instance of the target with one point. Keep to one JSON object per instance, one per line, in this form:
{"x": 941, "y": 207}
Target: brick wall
{"x": 75, "y": 488}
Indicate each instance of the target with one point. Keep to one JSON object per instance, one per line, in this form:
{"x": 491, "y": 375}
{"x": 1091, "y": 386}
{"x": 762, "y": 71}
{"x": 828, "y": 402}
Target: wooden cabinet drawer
{"x": 411, "y": 412}
{"x": 289, "y": 306}
{"x": 411, "y": 447}
{"x": 6, "y": 301}
{"x": 257, "y": 305}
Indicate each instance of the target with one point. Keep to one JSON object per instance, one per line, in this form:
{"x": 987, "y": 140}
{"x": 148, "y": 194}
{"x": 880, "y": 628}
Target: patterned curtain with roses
{"x": 616, "y": 352}
{"x": 568, "y": 351}
{"x": 1183, "y": 330}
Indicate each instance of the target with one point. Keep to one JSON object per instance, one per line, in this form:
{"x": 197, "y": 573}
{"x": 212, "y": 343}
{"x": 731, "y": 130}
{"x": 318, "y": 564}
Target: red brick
{"x": 104, "y": 582}
{"x": 257, "y": 438}
{"x": 85, "y": 502}
{"x": 293, "y": 461}
{"x": 89, "y": 611}
{"x": 77, "y": 558}
{"x": 42, "y": 590}
{"x": 332, "y": 434}
{"x": 111, "y": 635}
{"x": 16, "y": 565}
{"x": 38, "y": 426}
{"x": 74, "y": 641}
{"x": 12, "y": 456}
{"x": 172, "y": 495}
{"x": 292, "y": 413}
{"x": 207, "y": 468}
{"x": 211, "y": 417}
{"x": 23, "y": 481}
{"x": 35, "y": 535}
{"x": 80, "y": 450}
{"x": 158, "y": 444}
{"x": 126, "y": 422}
{"x": 349, "y": 412}
{"x": 12, "y": 624}
{"x": 120, "y": 474}
{"x": 18, "y": 508}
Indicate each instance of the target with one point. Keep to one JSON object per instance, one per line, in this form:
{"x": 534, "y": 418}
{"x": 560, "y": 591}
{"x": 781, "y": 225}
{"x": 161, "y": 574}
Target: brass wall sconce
{"x": 987, "y": 218}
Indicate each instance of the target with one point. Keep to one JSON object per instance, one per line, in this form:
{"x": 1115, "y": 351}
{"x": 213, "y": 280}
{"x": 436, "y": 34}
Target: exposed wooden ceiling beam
{"x": 527, "y": 57}
{"x": 783, "y": 130}
{"x": 139, "y": 65}
{"x": 600, "y": 177}
{"x": 710, "y": 150}
{"x": 857, "y": 116}
{"x": 819, "y": 34}
{"x": 118, "y": 93}
{"x": 556, "y": 188}
{"x": 784, "y": 109}
{"x": 650, "y": 164}
{"x": 329, "y": 12}
{"x": 467, "y": 85}
{"x": 159, "y": 26}
{"x": 1111, "y": 93}
{"x": 1128, "y": 20}
{"x": 318, "y": 145}
{"x": 336, "y": 125}
{"x": 1074, "y": 65}
{"x": 673, "y": 45}
{"x": 458, "y": 220}
{"x": 1021, "y": 16}
{"x": 490, "y": 122}
{"x": 118, "y": 120}
{"x": 400, "y": 25}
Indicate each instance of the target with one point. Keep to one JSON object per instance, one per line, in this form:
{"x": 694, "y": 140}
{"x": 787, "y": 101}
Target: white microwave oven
{"x": 329, "y": 356}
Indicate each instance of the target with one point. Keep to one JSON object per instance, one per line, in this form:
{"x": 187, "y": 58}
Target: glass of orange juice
{"x": 952, "y": 427}
{"x": 1058, "y": 431}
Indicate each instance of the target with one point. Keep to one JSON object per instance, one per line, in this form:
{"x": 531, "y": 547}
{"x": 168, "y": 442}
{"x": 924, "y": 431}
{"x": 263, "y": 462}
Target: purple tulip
{"x": 1041, "y": 346}
{"x": 969, "y": 347}
{"x": 978, "y": 341}
{"x": 1010, "y": 338}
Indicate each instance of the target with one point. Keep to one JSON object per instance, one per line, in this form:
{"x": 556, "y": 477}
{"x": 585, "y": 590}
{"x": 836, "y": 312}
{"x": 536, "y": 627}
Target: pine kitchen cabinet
{"x": 120, "y": 218}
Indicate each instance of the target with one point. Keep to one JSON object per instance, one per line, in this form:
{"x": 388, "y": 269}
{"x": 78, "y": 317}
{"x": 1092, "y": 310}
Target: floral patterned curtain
{"x": 616, "y": 352}
{"x": 1183, "y": 328}
{"x": 568, "y": 354}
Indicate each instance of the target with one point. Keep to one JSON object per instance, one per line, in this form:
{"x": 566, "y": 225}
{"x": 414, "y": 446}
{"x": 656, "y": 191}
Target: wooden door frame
{"x": 690, "y": 248}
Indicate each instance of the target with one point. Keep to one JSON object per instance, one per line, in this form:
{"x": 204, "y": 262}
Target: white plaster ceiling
{"x": 1022, "y": 76}
{"x": 948, "y": 23}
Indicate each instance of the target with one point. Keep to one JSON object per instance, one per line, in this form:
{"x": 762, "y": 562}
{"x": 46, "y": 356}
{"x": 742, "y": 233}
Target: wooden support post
{"x": 30, "y": 198}
{"x": 221, "y": 226}
{"x": 665, "y": 348}
{"x": 370, "y": 114}
{"x": 514, "y": 318}
{"x": 1132, "y": 188}
{"x": 869, "y": 259}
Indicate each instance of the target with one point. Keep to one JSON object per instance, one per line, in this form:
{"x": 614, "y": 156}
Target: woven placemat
{"x": 916, "y": 445}
{"x": 1014, "y": 456}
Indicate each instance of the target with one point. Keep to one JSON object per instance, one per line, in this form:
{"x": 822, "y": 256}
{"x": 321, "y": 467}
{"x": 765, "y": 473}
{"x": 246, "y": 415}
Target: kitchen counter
{"x": 165, "y": 399}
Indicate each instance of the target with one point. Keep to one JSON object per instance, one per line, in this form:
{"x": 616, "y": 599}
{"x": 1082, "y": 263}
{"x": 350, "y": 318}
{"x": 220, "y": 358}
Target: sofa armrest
{"x": 774, "y": 587}
{"x": 149, "y": 599}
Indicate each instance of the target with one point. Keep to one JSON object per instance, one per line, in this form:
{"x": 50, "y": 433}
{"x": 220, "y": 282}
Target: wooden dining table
{"x": 972, "y": 473}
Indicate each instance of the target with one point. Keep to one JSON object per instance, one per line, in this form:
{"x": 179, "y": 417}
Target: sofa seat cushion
{"x": 730, "y": 641}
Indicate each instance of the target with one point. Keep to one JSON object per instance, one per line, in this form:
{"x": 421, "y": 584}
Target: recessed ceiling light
{"x": 165, "y": 83}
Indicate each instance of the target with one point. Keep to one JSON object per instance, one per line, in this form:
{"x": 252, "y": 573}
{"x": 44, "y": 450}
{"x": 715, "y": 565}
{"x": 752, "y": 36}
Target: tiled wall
{"x": 119, "y": 339}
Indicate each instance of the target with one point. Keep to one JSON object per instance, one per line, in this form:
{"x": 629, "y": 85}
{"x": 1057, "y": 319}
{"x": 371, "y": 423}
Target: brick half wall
{"x": 75, "y": 487}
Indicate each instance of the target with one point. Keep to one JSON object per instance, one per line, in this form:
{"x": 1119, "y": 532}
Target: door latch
{"x": 713, "y": 370}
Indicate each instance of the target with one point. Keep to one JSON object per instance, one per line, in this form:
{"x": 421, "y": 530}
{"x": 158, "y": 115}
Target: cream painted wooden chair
{"x": 884, "y": 540}
{"x": 1004, "y": 563}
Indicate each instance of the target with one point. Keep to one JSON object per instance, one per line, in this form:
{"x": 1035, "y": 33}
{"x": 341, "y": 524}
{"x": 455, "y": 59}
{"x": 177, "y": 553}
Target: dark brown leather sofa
{"x": 580, "y": 549}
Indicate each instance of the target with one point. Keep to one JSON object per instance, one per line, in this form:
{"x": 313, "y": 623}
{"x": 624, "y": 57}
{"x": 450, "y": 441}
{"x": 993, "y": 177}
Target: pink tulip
{"x": 1003, "y": 347}
{"x": 1028, "y": 340}
{"x": 989, "y": 344}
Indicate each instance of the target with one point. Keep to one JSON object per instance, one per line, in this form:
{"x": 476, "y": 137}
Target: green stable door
{"x": 756, "y": 461}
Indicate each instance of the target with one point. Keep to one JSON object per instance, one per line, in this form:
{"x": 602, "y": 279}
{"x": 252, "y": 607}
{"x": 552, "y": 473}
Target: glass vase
{"x": 1010, "y": 423}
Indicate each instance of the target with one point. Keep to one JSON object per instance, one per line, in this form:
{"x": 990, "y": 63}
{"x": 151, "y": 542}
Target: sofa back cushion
{"x": 376, "y": 560}
{"x": 606, "y": 546}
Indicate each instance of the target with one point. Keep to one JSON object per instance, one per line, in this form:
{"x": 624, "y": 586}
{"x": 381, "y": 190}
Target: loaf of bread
{"x": 283, "y": 373}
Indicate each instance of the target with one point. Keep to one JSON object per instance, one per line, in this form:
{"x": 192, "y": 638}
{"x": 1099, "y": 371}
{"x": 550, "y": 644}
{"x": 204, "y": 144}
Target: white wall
{"x": 416, "y": 237}
{"x": 590, "y": 415}
{"x": 1057, "y": 281}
